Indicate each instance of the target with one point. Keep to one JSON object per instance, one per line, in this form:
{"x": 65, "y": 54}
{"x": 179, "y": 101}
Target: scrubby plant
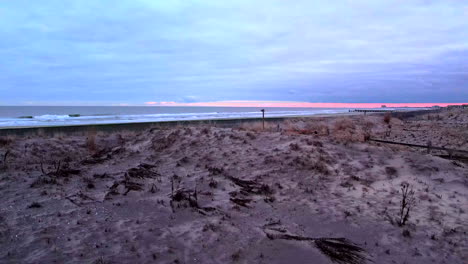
{"x": 387, "y": 118}
{"x": 407, "y": 202}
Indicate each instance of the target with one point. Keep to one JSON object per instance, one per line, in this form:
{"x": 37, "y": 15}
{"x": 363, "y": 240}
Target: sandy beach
{"x": 239, "y": 193}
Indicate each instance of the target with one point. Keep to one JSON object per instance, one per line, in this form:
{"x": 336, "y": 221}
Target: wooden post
{"x": 429, "y": 146}
{"x": 263, "y": 118}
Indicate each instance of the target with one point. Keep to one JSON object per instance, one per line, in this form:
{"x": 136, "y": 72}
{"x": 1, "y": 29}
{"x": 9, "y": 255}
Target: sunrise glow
{"x": 298, "y": 104}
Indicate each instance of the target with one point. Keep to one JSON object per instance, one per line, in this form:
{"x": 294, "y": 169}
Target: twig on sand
{"x": 5, "y": 157}
{"x": 339, "y": 250}
{"x": 74, "y": 199}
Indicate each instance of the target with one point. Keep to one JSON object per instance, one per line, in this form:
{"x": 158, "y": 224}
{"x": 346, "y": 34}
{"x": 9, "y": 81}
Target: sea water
{"x": 30, "y": 116}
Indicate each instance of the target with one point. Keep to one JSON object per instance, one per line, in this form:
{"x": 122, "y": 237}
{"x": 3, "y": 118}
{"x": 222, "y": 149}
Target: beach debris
{"x": 80, "y": 199}
{"x": 101, "y": 175}
{"x": 213, "y": 184}
{"x": 214, "y": 170}
{"x": 130, "y": 185}
{"x": 251, "y": 187}
{"x": 112, "y": 190}
{"x": 241, "y": 201}
{"x": 98, "y": 157}
{"x": 179, "y": 195}
{"x": 35, "y": 205}
{"x": 339, "y": 250}
{"x": 142, "y": 171}
{"x": 59, "y": 170}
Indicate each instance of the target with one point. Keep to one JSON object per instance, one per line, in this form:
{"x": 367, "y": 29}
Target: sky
{"x": 137, "y": 52}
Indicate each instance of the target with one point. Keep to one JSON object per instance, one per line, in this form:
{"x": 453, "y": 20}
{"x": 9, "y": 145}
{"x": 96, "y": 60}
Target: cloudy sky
{"x": 105, "y": 52}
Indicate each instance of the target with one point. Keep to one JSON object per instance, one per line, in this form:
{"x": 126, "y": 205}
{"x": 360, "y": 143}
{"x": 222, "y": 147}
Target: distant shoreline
{"x": 137, "y": 126}
{"x": 112, "y": 127}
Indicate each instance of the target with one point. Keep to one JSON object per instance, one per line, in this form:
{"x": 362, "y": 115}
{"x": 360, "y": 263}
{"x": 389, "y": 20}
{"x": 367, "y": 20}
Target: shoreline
{"x": 132, "y": 126}
{"x": 226, "y": 122}
{"x": 95, "y": 122}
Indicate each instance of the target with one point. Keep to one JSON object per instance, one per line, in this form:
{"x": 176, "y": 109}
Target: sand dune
{"x": 206, "y": 194}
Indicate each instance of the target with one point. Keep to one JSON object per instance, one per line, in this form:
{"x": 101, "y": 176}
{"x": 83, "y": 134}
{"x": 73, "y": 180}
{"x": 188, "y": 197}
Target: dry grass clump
{"x": 343, "y": 124}
{"x": 342, "y": 129}
{"x": 391, "y": 172}
{"x": 4, "y": 141}
{"x": 258, "y": 126}
{"x": 345, "y": 131}
{"x": 387, "y": 118}
{"x": 319, "y": 128}
{"x": 160, "y": 143}
{"x": 305, "y": 126}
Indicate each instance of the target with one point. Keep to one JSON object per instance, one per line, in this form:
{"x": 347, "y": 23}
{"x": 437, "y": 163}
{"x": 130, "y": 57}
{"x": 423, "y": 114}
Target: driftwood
{"x": 339, "y": 250}
{"x": 79, "y": 199}
{"x": 251, "y": 187}
{"x": 241, "y": 201}
{"x": 144, "y": 170}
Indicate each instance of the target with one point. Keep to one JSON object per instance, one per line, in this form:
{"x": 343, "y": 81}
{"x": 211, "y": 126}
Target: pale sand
{"x": 325, "y": 180}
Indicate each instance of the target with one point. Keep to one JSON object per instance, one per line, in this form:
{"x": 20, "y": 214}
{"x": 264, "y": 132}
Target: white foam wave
{"x": 53, "y": 120}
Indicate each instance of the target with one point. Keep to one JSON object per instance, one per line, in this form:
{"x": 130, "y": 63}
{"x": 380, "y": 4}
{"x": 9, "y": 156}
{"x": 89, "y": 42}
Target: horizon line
{"x": 252, "y": 103}
{"x": 246, "y": 103}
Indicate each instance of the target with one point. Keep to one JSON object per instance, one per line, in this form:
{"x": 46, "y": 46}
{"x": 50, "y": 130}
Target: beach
{"x": 59, "y": 116}
{"x": 238, "y": 192}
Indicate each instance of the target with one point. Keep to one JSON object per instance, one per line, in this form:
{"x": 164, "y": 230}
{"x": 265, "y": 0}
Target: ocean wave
{"x": 78, "y": 119}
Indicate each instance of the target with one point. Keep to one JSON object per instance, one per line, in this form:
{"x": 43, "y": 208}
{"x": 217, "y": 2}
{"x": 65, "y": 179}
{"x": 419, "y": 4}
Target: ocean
{"x": 33, "y": 116}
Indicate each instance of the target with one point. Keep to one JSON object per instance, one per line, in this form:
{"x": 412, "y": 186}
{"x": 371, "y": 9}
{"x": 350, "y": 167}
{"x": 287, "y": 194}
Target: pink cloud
{"x": 163, "y": 103}
{"x": 298, "y": 104}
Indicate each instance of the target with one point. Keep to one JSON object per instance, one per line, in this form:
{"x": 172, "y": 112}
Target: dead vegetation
{"x": 407, "y": 202}
{"x": 406, "y": 205}
{"x": 144, "y": 170}
{"x": 35, "y": 205}
{"x": 56, "y": 171}
{"x": 387, "y": 118}
{"x": 339, "y": 250}
{"x": 4, "y": 159}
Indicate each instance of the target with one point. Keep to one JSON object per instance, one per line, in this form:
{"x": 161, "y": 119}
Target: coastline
{"x": 133, "y": 126}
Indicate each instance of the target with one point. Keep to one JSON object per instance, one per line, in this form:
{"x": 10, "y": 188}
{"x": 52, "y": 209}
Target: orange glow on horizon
{"x": 298, "y": 104}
